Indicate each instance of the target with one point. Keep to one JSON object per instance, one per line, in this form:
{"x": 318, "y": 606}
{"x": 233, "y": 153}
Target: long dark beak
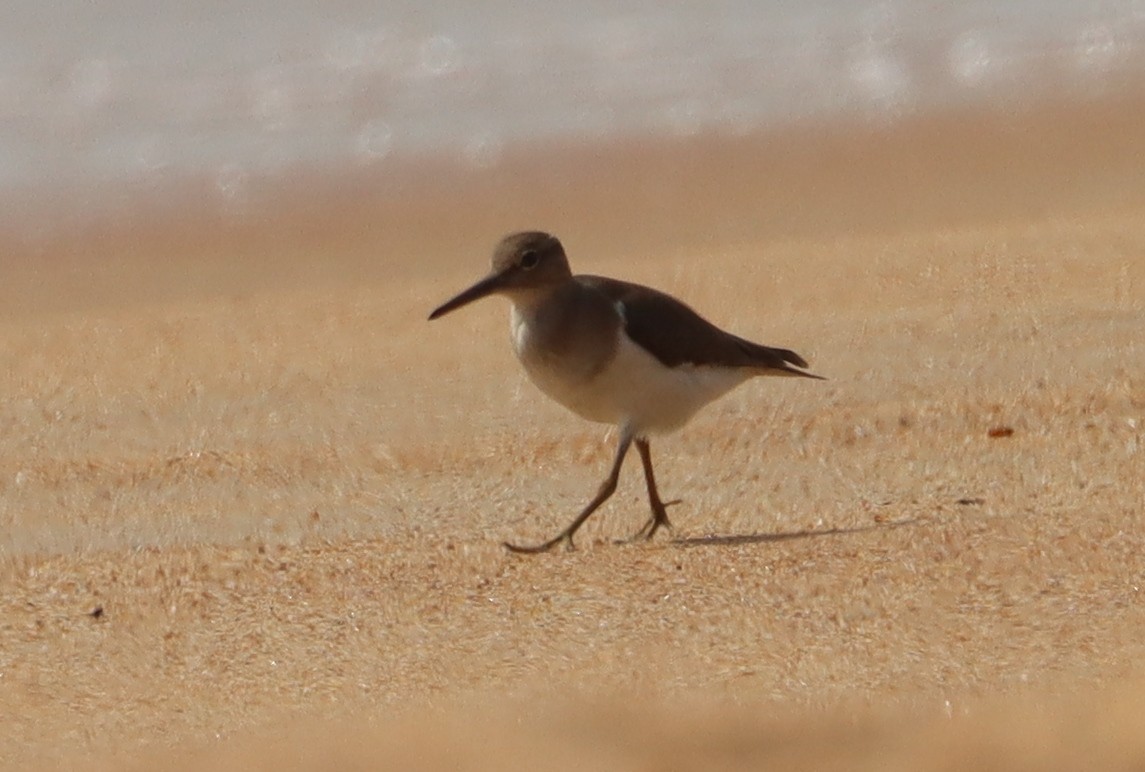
{"x": 483, "y": 288}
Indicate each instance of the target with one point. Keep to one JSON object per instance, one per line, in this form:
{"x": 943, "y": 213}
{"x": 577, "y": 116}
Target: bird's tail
{"x": 781, "y": 362}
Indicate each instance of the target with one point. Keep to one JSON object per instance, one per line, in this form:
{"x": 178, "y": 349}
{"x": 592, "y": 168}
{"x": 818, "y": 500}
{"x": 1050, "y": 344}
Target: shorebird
{"x": 615, "y": 353}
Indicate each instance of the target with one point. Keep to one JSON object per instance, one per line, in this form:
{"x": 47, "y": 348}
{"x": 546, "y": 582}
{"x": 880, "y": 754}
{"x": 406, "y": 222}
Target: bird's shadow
{"x": 767, "y": 538}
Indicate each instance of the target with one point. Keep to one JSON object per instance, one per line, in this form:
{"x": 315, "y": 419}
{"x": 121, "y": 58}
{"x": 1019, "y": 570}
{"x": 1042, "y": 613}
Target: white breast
{"x": 634, "y": 388}
{"x": 561, "y": 380}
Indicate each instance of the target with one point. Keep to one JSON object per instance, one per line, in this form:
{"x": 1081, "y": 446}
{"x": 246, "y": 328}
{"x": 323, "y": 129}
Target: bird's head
{"x": 523, "y": 263}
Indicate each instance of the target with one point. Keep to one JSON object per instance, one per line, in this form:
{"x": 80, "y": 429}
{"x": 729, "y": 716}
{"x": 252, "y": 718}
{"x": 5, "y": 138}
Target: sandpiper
{"x": 616, "y": 353}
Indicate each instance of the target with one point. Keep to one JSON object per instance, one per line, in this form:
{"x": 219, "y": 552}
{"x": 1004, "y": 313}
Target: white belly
{"x": 633, "y": 389}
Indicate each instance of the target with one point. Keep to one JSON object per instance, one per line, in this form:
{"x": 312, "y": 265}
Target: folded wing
{"x": 676, "y": 335}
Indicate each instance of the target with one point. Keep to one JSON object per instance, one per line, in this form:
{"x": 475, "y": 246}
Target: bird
{"x": 617, "y": 353}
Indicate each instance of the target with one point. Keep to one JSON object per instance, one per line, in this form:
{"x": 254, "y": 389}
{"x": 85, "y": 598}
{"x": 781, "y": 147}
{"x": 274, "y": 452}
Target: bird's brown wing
{"x": 676, "y": 335}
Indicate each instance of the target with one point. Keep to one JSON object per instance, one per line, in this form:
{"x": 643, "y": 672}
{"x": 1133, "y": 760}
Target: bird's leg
{"x": 606, "y": 489}
{"x": 659, "y": 508}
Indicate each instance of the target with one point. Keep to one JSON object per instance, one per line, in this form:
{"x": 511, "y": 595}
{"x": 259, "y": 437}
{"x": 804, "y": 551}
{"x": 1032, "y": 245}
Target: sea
{"x": 102, "y": 100}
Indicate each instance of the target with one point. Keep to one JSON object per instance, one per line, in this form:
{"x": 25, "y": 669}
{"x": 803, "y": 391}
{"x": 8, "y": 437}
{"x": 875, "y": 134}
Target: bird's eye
{"x": 529, "y": 259}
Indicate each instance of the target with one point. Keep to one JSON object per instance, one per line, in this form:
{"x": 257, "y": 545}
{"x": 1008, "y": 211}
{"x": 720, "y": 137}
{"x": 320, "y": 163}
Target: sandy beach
{"x": 251, "y": 501}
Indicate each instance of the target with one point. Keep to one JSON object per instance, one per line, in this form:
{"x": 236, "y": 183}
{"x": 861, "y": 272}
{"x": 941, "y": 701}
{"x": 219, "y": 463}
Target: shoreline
{"x": 941, "y": 170}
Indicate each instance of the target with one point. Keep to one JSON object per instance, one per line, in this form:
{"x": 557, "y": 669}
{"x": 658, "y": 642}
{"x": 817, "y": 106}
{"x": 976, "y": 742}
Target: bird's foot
{"x": 659, "y": 518}
{"x": 539, "y": 548}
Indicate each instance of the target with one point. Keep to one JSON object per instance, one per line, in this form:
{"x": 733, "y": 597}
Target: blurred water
{"x": 95, "y": 94}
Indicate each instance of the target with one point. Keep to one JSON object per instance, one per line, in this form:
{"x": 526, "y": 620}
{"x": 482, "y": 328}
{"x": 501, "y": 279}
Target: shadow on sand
{"x": 765, "y": 538}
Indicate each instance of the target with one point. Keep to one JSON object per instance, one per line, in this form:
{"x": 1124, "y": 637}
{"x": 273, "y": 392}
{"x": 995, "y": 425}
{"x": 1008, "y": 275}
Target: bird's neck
{"x": 528, "y": 301}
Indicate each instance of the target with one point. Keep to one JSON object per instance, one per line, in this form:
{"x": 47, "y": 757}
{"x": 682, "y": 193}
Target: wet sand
{"x": 251, "y": 501}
